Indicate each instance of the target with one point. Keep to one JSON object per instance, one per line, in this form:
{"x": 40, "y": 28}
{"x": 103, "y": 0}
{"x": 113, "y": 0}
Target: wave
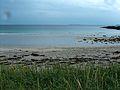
{"x": 39, "y": 34}
{"x": 14, "y": 33}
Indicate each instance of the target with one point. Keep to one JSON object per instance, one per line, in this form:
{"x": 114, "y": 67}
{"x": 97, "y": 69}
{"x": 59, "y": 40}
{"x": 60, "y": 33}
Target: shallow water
{"x": 51, "y": 36}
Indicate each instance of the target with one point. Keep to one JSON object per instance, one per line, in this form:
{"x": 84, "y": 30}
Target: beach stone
{"x": 2, "y": 56}
{"x": 34, "y": 60}
{"x": 3, "y": 62}
{"x": 72, "y": 62}
{"x": 116, "y": 52}
{"x": 118, "y": 57}
{"x": 34, "y": 54}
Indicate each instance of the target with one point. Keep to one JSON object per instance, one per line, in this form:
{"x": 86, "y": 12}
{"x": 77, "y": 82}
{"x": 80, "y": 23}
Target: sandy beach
{"x": 50, "y": 56}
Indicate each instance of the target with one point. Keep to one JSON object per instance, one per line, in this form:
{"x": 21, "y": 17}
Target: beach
{"x": 50, "y": 56}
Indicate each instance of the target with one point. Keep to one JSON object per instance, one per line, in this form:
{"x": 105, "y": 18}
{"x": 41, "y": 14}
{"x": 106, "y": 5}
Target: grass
{"x": 60, "y": 77}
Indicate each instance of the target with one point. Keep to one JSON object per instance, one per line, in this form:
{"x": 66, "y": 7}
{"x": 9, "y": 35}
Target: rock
{"x": 15, "y": 56}
{"x": 112, "y": 27}
{"x": 116, "y": 52}
{"x": 26, "y": 51}
{"x": 12, "y": 58}
{"x": 84, "y": 39}
{"x": 118, "y": 57}
{"x": 104, "y": 36}
{"x": 2, "y": 56}
{"x": 34, "y": 54}
{"x": 25, "y": 55}
{"x": 34, "y": 60}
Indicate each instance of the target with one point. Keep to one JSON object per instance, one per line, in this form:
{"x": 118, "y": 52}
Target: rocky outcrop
{"x": 112, "y": 27}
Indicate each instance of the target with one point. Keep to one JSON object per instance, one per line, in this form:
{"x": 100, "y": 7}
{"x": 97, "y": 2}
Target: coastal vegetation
{"x": 60, "y": 77}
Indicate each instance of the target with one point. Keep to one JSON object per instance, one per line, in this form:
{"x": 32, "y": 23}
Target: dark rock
{"x": 116, "y": 52}
{"x": 84, "y": 39}
{"x": 26, "y": 51}
{"x": 15, "y": 56}
{"x": 112, "y": 27}
{"x": 2, "y": 56}
{"x": 34, "y": 60}
{"x": 25, "y": 55}
{"x": 34, "y": 54}
{"x": 104, "y": 36}
{"x": 118, "y": 57}
{"x": 20, "y": 50}
{"x": 107, "y": 54}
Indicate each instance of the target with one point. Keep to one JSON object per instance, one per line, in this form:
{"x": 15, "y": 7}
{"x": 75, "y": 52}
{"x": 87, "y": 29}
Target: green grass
{"x": 60, "y": 77}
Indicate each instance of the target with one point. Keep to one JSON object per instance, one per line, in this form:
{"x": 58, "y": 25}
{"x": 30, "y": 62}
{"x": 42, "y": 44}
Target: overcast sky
{"x": 90, "y": 12}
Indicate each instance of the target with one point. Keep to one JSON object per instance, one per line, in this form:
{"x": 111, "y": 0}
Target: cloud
{"x": 73, "y": 8}
{"x": 44, "y": 11}
{"x": 97, "y": 4}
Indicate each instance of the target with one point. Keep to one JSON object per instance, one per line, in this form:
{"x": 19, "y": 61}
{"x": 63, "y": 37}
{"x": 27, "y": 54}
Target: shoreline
{"x": 63, "y": 55}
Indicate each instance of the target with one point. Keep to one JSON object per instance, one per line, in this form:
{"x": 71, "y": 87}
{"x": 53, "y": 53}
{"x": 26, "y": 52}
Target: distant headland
{"x": 112, "y": 27}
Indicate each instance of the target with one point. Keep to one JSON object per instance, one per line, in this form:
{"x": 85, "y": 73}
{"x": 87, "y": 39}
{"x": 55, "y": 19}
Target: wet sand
{"x": 51, "y": 56}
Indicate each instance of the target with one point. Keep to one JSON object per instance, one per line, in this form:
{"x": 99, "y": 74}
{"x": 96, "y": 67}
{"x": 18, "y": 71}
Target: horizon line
{"x": 49, "y": 25}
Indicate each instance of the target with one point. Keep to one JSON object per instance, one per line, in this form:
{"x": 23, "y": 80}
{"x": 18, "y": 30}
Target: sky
{"x": 52, "y": 12}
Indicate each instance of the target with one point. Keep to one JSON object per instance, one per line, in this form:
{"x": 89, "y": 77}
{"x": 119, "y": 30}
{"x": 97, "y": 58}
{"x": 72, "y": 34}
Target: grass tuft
{"x": 60, "y": 77}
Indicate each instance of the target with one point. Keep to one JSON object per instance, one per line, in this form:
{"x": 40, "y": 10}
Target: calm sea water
{"x": 50, "y": 36}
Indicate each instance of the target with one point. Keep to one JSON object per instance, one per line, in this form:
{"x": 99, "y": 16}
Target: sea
{"x": 52, "y": 35}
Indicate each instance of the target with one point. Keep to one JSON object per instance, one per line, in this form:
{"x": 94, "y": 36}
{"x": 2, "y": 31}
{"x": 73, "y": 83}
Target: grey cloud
{"x": 110, "y": 2}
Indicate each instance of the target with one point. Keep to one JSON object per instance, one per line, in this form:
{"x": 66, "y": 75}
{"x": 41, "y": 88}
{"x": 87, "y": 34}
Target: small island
{"x": 112, "y": 27}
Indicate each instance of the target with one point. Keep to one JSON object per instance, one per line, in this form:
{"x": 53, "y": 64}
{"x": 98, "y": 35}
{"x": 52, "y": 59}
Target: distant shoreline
{"x": 47, "y": 25}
